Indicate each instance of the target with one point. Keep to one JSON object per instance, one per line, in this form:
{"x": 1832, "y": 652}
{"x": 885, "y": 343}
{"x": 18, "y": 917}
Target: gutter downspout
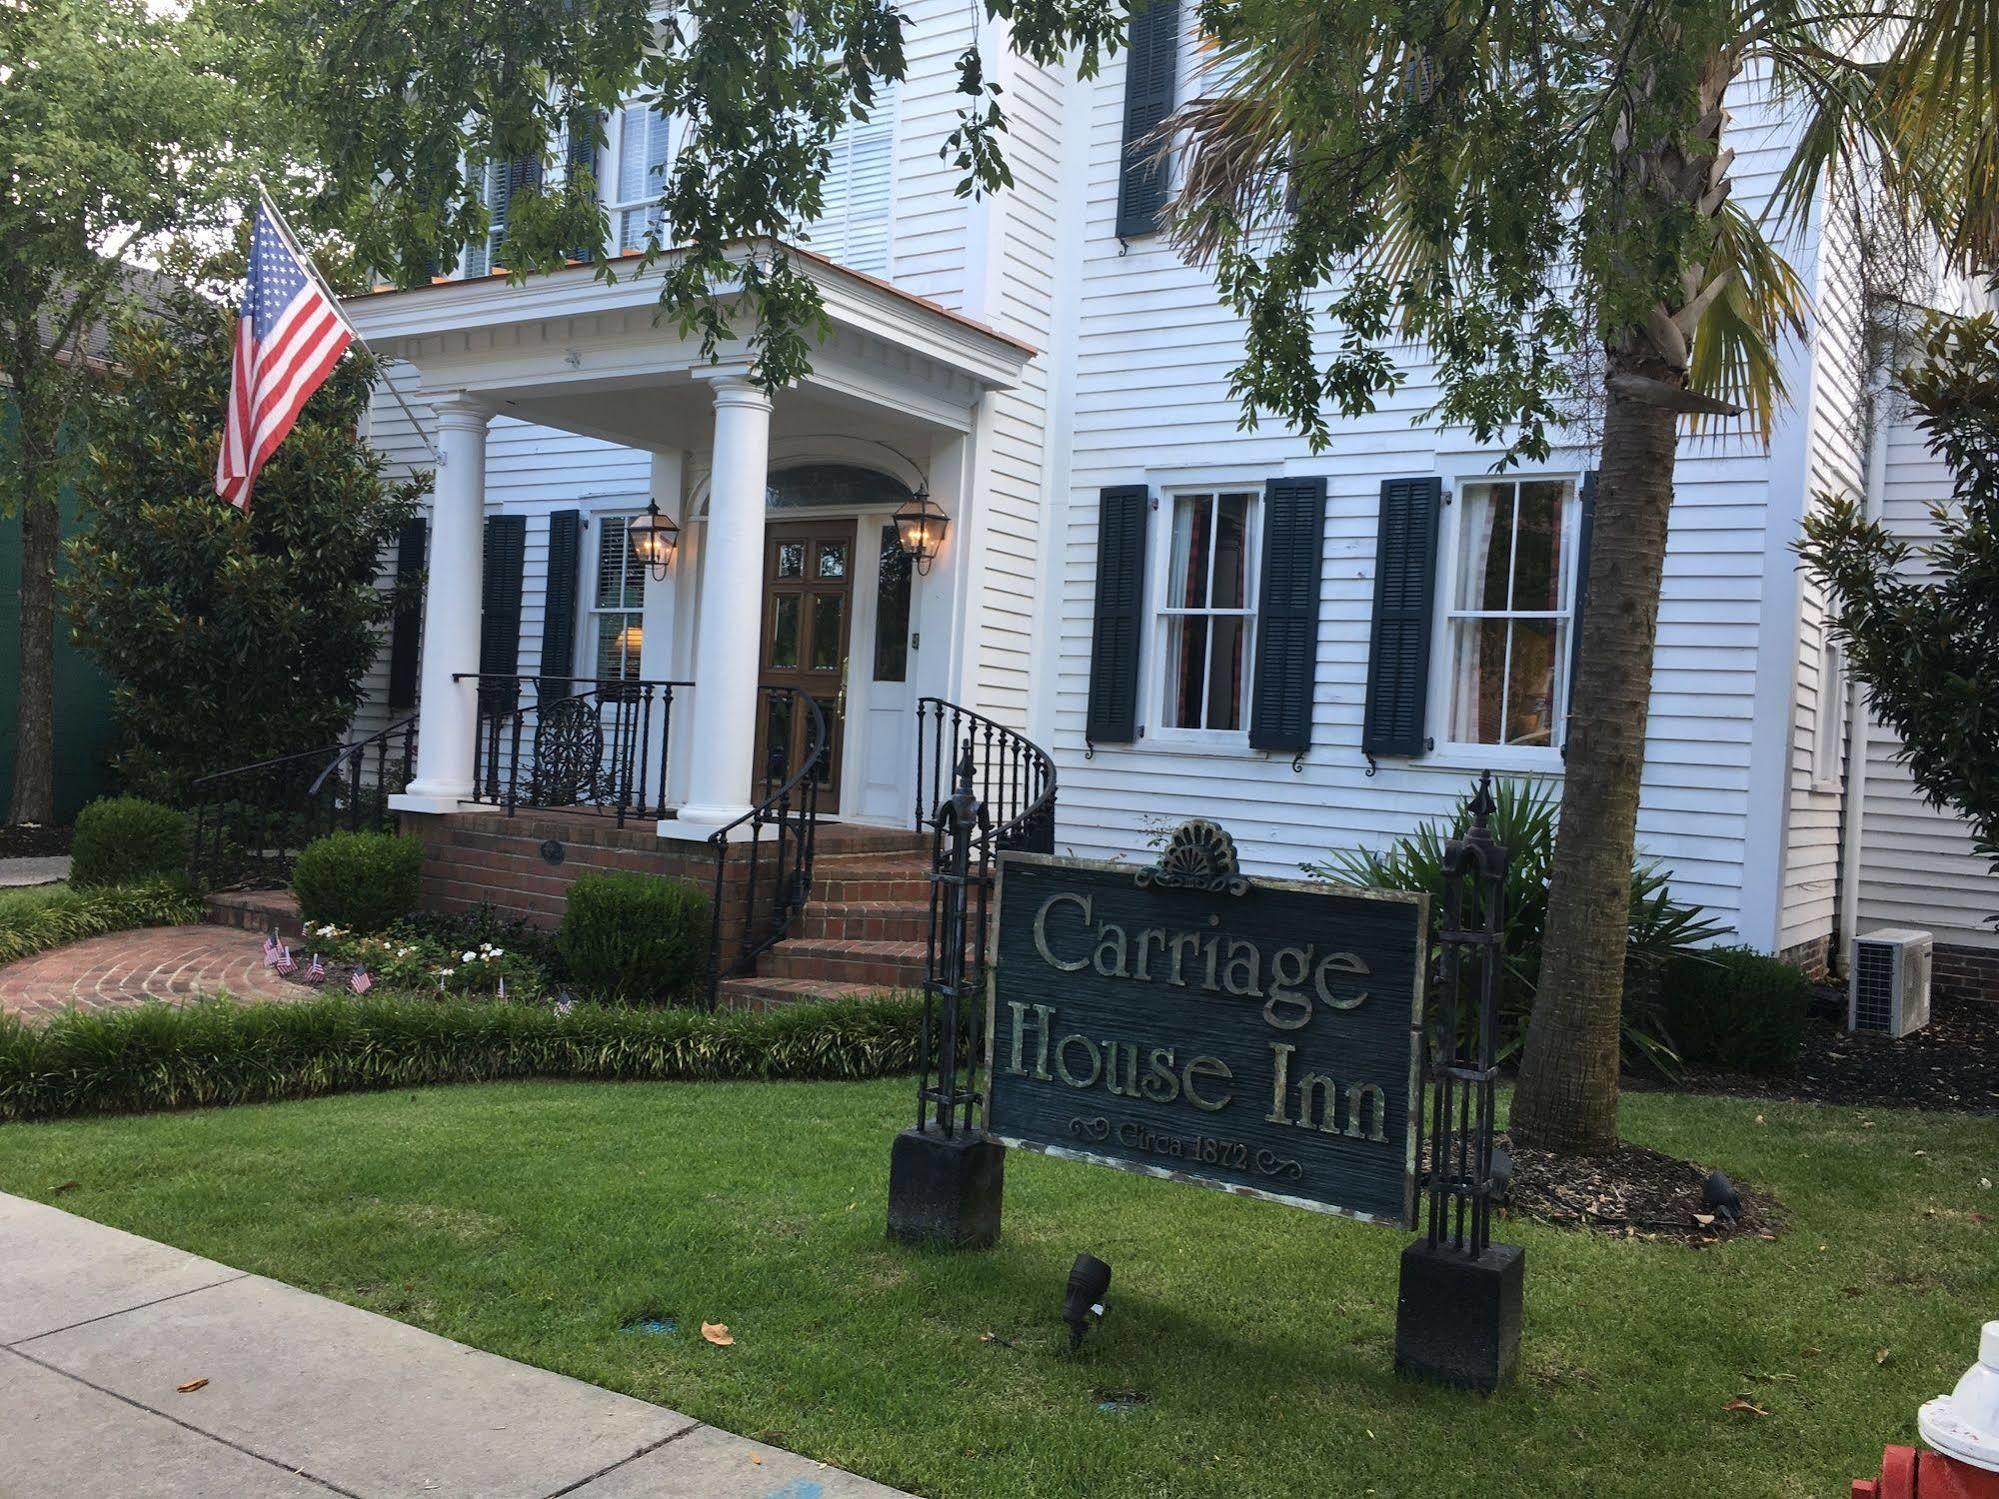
{"x": 1846, "y": 919}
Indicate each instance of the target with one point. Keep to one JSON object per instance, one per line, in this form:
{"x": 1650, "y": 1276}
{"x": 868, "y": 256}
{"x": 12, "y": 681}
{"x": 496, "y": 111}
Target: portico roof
{"x": 570, "y": 349}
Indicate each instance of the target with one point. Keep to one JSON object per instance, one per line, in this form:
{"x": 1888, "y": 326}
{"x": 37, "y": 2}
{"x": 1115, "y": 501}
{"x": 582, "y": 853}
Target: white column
{"x": 447, "y": 711}
{"x": 658, "y": 648}
{"x": 722, "y": 729}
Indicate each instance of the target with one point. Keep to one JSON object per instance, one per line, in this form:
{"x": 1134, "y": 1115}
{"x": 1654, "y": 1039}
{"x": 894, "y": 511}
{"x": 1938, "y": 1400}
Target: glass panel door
{"x": 807, "y": 625}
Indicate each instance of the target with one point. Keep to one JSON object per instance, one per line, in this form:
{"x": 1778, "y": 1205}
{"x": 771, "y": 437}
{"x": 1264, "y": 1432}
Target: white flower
{"x": 499, "y": 952}
{"x": 445, "y": 973}
{"x": 469, "y": 957}
{"x": 485, "y": 947}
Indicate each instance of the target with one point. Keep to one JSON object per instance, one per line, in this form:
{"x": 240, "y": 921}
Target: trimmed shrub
{"x": 158, "y": 1056}
{"x": 1735, "y": 1008}
{"x": 122, "y": 840}
{"x": 33, "y": 922}
{"x": 360, "y": 881}
{"x": 635, "y": 937}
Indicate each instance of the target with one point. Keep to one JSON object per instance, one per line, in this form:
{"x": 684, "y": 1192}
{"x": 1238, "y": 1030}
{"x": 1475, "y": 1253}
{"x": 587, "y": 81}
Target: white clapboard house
{"x": 1318, "y": 651}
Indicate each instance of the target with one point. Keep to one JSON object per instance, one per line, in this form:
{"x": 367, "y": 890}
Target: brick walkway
{"x": 174, "y": 963}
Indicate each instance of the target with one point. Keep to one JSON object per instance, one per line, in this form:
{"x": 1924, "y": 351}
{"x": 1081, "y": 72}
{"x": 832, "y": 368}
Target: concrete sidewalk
{"x": 306, "y": 1396}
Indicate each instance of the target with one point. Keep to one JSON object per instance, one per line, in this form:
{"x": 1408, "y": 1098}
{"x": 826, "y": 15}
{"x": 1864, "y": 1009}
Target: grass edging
{"x": 215, "y": 1053}
{"x": 33, "y": 923}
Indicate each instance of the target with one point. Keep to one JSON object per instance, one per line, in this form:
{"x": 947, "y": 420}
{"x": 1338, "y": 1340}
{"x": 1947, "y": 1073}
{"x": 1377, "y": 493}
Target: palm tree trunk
{"x": 1567, "y": 1094}
{"x": 33, "y": 796}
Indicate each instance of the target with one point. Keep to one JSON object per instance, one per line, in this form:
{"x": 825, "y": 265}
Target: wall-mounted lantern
{"x": 919, "y": 529}
{"x": 654, "y": 539}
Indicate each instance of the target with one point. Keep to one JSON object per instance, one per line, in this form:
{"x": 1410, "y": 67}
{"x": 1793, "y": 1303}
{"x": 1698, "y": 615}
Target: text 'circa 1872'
{"x": 1254, "y": 1036}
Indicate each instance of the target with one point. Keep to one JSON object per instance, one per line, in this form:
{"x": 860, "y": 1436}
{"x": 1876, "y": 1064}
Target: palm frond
{"x": 1759, "y": 303}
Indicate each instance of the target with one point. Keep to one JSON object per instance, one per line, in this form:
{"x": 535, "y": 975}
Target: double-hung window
{"x": 617, "y": 602}
{"x": 640, "y": 149}
{"x": 1206, "y": 617}
{"x": 1509, "y": 613}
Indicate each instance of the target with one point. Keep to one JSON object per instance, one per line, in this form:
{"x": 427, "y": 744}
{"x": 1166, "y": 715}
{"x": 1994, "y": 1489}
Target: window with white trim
{"x": 1207, "y": 611}
{"x": 1510, "y": 608}
{"x": 617, "y": 602}
{"x": 857, "y": 195}
{"x": 1826, "y": 713}
{"x": 640, "y": 146}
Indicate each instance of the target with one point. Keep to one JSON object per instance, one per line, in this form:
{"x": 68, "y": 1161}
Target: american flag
{"x": 290, "y": 337}
{"x": 271, "y": 950}
{"x": 315, "y": 971}
{"x": 283, "y": 962}
{"x": 360, "y": 983}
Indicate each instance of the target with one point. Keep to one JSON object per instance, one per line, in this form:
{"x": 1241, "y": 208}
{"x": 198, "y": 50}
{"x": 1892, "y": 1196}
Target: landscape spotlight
{"x": 1089, "y": 1279}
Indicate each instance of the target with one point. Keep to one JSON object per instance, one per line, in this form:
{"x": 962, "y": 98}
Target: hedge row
{"x": 34, "y": 922}
{"x": 160, "y": 1057}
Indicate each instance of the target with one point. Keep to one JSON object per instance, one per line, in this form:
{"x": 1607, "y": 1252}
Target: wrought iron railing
{"x": 773, "y": 842}
{"x": 576, "y": 743}
{"x": 249, "y": 821}
{"x": 1013, "y": 778}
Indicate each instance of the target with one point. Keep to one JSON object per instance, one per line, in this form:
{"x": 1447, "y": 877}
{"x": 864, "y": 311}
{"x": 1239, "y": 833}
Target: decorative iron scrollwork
{"x": 1200, "y": 855}
{"x": 568, "y": 754}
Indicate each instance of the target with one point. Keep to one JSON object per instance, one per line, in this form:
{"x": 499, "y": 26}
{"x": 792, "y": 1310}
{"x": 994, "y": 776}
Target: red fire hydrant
{"x": 1964, "y": 1427}
{"x": 1909, "y": 1474}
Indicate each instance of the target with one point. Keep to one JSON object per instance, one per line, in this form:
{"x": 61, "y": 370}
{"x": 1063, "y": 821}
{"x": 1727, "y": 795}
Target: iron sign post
{"x": 1457, "y": 1315}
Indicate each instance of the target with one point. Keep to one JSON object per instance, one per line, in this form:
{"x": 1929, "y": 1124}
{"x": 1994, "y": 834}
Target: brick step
{"x": 901, "y": 883}
{"x": 254, "y": 911}
{"x": 774, "y": 994}
{"x": 844, "y": 839}
{"x": 865, "y": 921}
{"x": 884, "y": 965}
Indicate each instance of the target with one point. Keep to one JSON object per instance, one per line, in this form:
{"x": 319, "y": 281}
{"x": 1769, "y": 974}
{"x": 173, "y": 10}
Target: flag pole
{"x": 312, "y": 270}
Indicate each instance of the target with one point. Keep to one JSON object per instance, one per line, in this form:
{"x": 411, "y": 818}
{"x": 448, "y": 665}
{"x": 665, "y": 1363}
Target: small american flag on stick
{"x": 271, "y": 949}
{"x": 360, "y": 983}
{"x": 291, "y": 334}
{"x": 283, "y": 963}
{"x": 315, "y": 971}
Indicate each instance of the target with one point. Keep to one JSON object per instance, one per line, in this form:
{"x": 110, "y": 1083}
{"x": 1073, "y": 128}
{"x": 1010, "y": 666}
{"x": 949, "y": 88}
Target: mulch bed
{"x": 31, "y": 840}
{"x": 1952, "y": 1063}
{"x": 1634, "y": 1192}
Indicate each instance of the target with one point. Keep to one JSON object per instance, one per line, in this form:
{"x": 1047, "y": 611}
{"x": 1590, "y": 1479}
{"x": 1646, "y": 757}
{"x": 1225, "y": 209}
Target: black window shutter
{"x": 406, "y": 628}
{"x": 1120, "y": 614}
{"x": 1405, "y": 584}
{"x": 1585, "y": 530}
{"x": 1152, "y": 60}
{"x": 1287, "y": 615}
{"x": 558, "y": 626}
{"x": 500, "y": 611}
{"x": 582, "y": 157}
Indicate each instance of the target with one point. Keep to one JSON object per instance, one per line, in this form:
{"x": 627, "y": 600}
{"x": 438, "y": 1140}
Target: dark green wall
{"x": 83, "y": 694}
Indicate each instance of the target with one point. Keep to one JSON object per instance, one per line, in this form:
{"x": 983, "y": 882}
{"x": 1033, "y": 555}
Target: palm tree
{"x": 1524, "y": 182}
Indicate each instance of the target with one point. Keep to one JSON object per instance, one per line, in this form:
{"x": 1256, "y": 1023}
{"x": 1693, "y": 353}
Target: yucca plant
{"x": 1524, "y": 822}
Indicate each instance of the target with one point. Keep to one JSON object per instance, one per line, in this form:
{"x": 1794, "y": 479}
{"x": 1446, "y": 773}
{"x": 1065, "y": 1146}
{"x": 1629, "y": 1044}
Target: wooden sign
{"x": 1260, "y": 1037}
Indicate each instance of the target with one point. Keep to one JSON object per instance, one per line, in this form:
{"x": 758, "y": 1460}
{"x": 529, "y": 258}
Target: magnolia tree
{"x": 1920, "y": 625}
{"x": 229, "y": 638}
{"x": 1514, "y": 185}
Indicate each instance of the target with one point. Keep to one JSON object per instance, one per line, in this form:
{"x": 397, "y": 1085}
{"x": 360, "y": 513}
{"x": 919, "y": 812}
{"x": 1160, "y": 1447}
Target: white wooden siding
{"x": 1917, "y": 866}
{"x": 1153, "y": 361}
{"x": 1834, "y": 463}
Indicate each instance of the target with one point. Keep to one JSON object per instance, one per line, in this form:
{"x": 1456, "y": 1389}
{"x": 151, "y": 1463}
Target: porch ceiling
{"x": 568, "y": 350}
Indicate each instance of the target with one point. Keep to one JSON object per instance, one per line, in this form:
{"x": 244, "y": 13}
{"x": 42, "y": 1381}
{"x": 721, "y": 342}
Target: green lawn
{"x": 533, "y": 1219}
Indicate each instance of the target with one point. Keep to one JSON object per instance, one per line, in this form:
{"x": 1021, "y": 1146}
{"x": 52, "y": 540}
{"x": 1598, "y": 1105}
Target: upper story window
{"x": 857, "y": 199}
{"x": 1509, "y": 607}
{"x": 639, "y": 148}
{"x": 1207, "y": 611}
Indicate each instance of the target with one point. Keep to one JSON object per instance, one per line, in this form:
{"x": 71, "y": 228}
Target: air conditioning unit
{"x": 1889, "y": 991}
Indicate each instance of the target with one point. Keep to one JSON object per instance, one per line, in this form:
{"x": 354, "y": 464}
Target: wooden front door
{"x": 807, "y": 621}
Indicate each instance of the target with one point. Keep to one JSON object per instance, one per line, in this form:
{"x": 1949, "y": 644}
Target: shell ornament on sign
{"x": 1200, "y": 855}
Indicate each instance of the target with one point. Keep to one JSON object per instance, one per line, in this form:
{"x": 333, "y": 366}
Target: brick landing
{"x": 170, "y": 963}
